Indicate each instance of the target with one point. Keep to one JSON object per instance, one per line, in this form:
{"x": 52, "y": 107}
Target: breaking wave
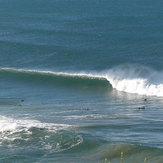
{"x": 127, "y": 78}
{"x": 136, "y": 79}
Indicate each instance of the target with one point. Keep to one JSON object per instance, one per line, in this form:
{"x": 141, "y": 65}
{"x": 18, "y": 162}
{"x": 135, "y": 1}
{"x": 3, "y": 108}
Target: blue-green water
{"x": 75, "y": 76}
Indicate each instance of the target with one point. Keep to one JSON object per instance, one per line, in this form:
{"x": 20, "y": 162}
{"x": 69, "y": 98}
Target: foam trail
{"x": 14, "y": 125}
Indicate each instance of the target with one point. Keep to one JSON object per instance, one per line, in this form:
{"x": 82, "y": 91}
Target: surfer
{"x": 142, "y": 107}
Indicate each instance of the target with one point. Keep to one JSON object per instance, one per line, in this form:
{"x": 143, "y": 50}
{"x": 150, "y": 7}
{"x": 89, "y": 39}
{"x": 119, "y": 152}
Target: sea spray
{"x": 136, "y": 79}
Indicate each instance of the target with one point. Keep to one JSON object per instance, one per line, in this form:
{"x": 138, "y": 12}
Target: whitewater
{"x": 8, "y": 124}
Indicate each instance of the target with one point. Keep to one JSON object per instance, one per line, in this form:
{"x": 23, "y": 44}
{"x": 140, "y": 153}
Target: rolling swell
{"x": 132, "y": 153}
{"x": 127, "y": 78}
{"x": 64, "y": 78}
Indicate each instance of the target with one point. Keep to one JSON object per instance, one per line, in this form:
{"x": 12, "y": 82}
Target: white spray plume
{"x": 136, "y": 79}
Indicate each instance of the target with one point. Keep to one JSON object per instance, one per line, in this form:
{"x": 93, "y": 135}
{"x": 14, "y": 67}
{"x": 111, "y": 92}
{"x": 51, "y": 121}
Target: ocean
{"x": 81, "y": 81}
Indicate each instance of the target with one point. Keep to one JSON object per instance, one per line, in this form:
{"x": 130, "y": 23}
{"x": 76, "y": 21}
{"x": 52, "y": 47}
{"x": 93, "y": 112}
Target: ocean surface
{"x": 81, "y": 81}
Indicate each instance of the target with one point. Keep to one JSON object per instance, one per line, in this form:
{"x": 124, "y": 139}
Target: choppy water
{"x": 75, "y": 77}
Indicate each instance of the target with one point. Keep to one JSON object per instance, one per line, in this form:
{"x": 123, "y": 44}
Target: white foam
{"x": 14, "y": 125}
{"x": 89, "y": 116}
{"x": 139, "y": 80}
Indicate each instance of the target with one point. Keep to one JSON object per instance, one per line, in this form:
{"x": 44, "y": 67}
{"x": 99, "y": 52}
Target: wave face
{"x": 127, "y": 78}
{"x": 132, "y": 153}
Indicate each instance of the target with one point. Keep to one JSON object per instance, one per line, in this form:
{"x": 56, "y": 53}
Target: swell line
{"x": 128, "y": 78}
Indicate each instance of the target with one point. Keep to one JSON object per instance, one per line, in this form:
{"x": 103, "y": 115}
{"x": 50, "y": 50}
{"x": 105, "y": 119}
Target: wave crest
{"x": 128, "y": 78}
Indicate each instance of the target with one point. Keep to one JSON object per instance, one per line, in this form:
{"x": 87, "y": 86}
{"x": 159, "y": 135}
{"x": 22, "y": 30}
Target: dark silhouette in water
{"x": 141, "y": 108}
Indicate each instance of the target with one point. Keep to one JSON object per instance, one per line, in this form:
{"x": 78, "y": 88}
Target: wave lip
{"x": 43, "y": 72}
